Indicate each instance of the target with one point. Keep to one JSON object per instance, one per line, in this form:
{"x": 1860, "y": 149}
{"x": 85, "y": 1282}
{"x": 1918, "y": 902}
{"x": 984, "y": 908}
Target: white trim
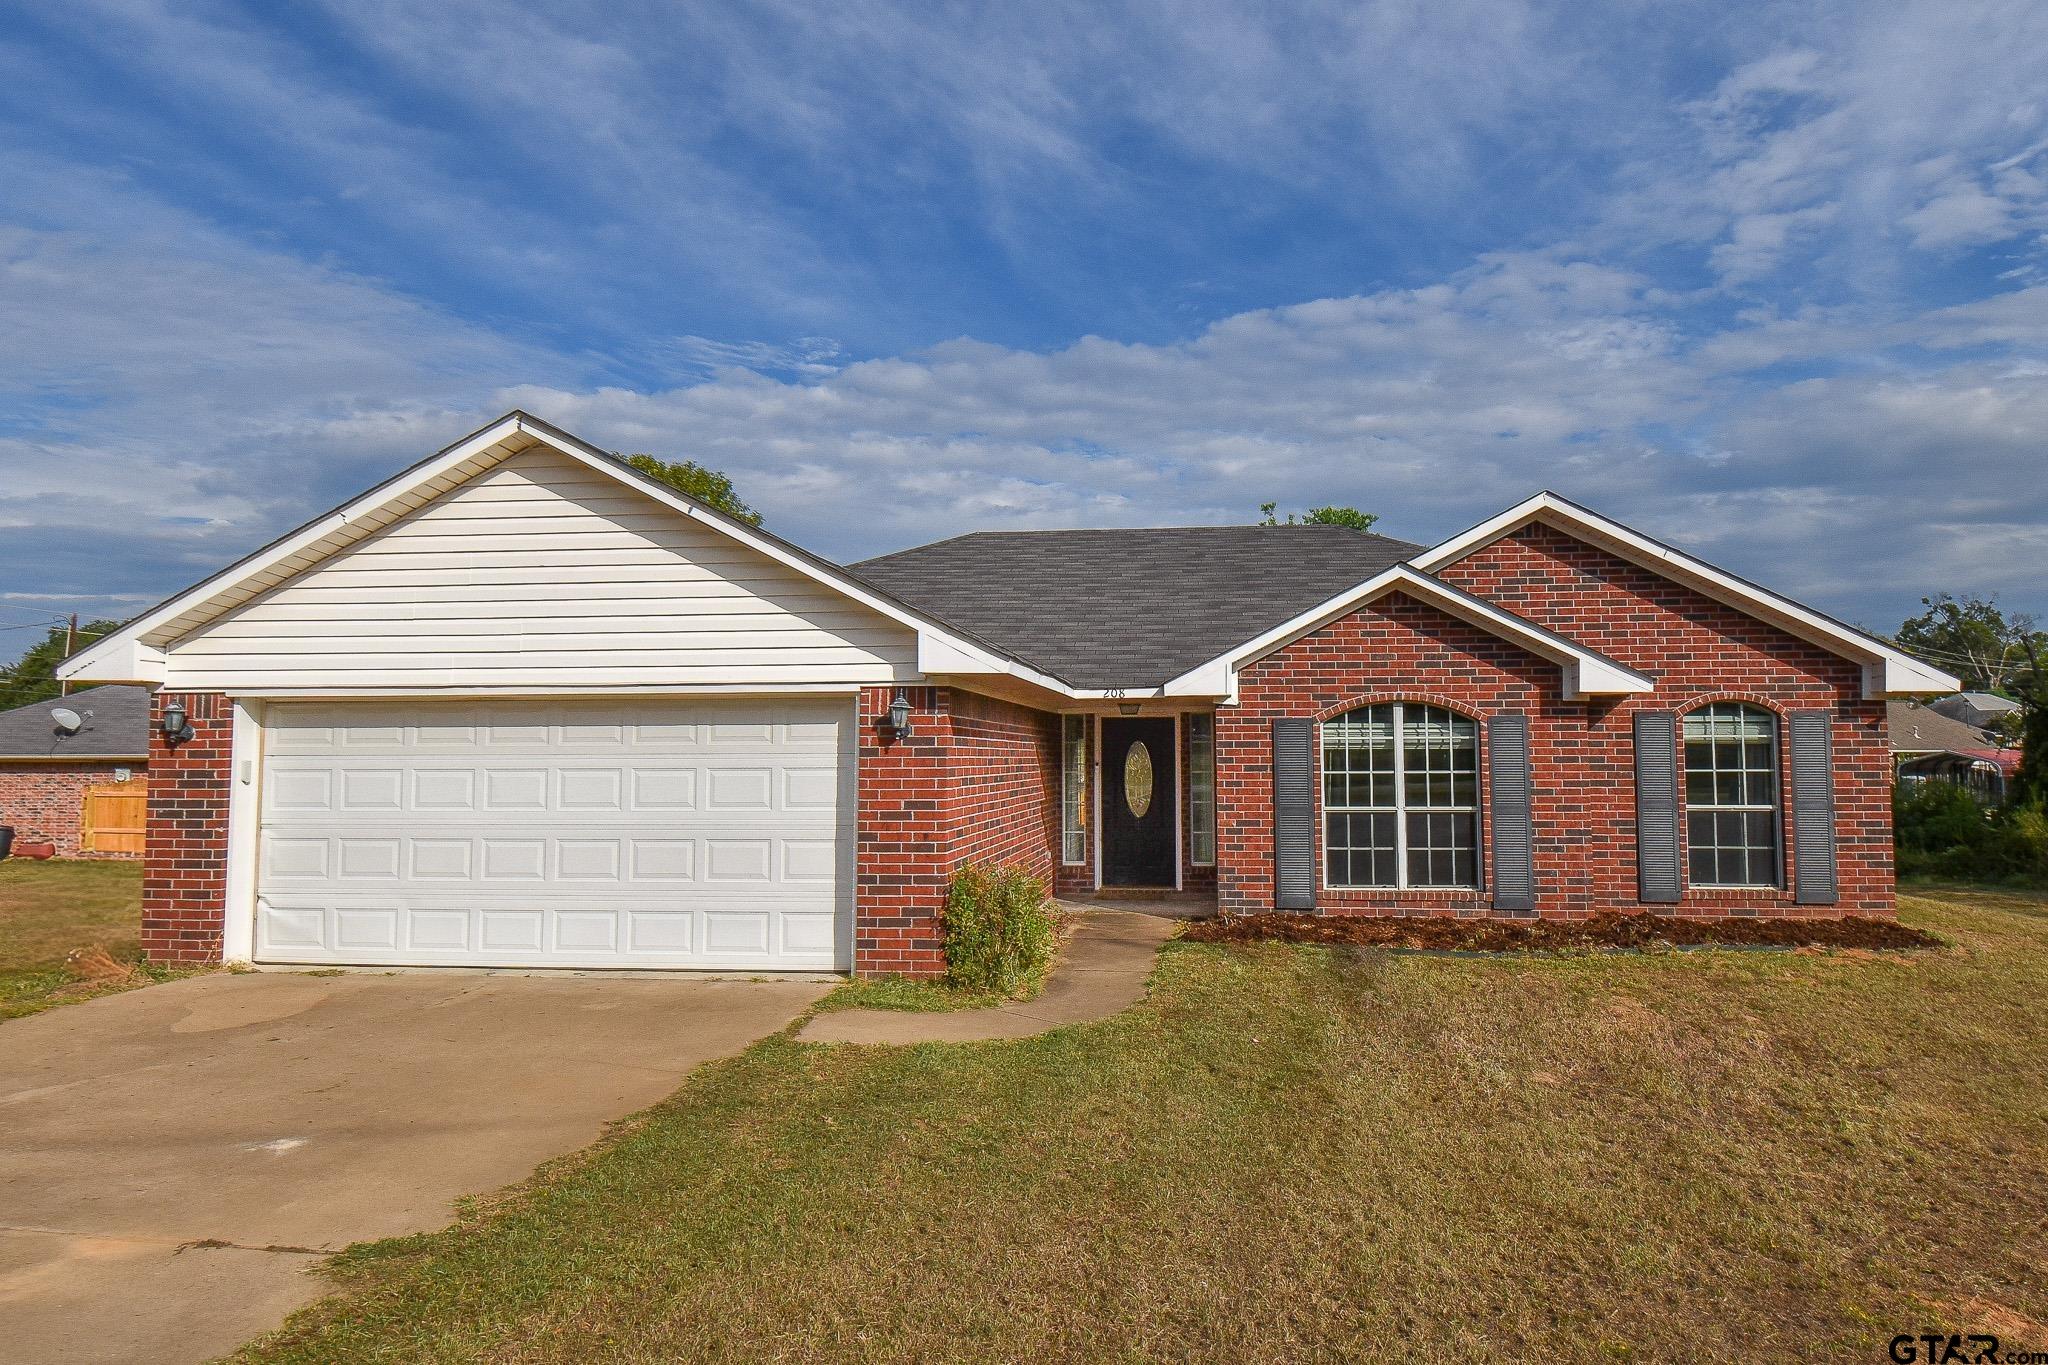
{"x": 1400, "y": 810}
{"x": 124, "y": 655}
{"x": 1585, "y": 672}
{"x": 245, "y": 814}
{"x": 1888, "y": 671}
{"x": 1179, "y": 815}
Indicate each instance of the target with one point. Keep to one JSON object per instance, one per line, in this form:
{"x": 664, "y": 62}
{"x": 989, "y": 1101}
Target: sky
{"x": 1767, "y": 282}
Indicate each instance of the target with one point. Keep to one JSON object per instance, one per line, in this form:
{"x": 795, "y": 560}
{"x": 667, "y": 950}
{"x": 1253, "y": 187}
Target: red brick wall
{"x": 1395, "y": 650}
{"x": 976, "y": 781}
{"x": 184, "y": 870}
{"x": 1699, "y": 650}
{"x": 45, "y": 802}
{"x": 1005, "y": 796}
{"x": 1582, "y": 754}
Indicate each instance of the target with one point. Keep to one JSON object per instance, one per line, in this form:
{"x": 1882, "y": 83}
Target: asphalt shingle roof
{"x": 1921, "y": 729}
{"x": 116, "y": 726}
{"x": 1129, "y": 608}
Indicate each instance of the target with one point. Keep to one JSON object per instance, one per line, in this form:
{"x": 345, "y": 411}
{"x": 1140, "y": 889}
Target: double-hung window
{"x": 1073, "y": 790}
{"x": 1401, "y": 798}
{"x": 1731, "y": 796}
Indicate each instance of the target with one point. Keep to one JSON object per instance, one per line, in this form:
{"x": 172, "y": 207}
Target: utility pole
{"x": 70, "y": 643}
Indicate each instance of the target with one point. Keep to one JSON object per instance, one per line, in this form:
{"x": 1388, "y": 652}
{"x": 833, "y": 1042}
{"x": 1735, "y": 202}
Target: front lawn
{"x": 49, "y": 908}
{"x": 1306, "y": 1151}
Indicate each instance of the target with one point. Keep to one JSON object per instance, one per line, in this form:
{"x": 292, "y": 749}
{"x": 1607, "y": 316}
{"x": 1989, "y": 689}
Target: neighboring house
{"x": 520, "y": 705}
{"x": 1931, "y": 746}
{"x": 79, "y": 789}
{"x": 1980, "y": 709}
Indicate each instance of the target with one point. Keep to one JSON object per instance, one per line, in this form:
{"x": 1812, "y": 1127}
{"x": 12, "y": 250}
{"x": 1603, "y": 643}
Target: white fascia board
{"x": 1887, "y": 672}
{"x": 1585, "y": 672}
{"x": 93, "y": 664}
{"x": 116, "y": 658}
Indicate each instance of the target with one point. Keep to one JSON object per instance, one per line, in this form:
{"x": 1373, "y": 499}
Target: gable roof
{"x": 1167, "y": 610}
{"x": 1587, "y": 672}
{"x": 1130, "y": 608}
{"x": 136, "y": 651}
{"x": 1887, "y": 669}
{"x": 116, "y": 726}
{"x": 1988, "y": 703}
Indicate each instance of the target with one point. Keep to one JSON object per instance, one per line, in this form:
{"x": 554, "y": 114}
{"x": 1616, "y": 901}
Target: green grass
{"x": 915, "y": 995}
{"x": 1293, "y": 1151}
{"x": 49, "y": 908}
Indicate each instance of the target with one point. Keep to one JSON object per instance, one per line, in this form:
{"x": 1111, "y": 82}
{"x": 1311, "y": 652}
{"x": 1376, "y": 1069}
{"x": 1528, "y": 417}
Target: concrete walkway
{"x": 1103, "y": 971}
{"x": 174, "y": 1160}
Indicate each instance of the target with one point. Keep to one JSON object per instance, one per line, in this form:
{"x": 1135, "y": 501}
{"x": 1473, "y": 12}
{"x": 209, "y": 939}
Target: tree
{"x": 33, "y": 677}
{"x": 1970, "y": 637}
{"x": 2030, "y": 784}
{"x": 1992, "y": 651}
{"x": 1320, "y": 516}
{"x": 691, "y": 479}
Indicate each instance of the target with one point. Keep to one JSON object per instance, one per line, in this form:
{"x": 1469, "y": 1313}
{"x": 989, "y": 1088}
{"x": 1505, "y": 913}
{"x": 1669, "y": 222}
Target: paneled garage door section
{"x": 561, "y": 835}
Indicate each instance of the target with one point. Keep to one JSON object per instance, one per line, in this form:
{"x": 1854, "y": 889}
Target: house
{"x": 520, "y": 705}
{"x": 1930, "y": 745}
{"x": 1981, "y": 709}
{"x": 79, "y": 786}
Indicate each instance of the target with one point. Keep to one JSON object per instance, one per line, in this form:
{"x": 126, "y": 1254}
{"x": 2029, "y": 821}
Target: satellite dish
{"x": 68, "y": 721}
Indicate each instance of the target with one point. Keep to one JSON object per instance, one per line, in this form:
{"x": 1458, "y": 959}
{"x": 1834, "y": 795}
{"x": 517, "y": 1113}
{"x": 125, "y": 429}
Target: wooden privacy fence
{"x": 112, "y": 820}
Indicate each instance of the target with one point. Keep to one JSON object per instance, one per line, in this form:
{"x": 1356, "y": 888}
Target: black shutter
{"x": 1813, "y": 809}
{"x": 1514, "y": 859}
{"x": 1657, "y": 806}
{"x": 1294, "y": 815}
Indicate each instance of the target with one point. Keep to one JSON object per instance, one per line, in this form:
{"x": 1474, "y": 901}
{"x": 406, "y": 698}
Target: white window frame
{"x": 1776, "y": 808}
{"x": 1400, "y": 809}
{"x": 1075, "y": 785}
{"x": 1201, "y": 729}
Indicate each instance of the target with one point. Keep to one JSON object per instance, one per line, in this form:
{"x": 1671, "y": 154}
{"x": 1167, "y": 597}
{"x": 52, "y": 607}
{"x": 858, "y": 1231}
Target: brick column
{"x": 185, "y": 862}
{"x": 904, "y": 840}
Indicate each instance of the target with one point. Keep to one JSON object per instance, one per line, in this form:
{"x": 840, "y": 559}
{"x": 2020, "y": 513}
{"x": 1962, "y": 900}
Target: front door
{"x": 1140, "y": 802}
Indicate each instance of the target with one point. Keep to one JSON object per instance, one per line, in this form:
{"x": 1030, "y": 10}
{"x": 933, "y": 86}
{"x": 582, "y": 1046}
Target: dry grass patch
{"x": 70, "y": 930}
{"x": 1304, "y": 1151}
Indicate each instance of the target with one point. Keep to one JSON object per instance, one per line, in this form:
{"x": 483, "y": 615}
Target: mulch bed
{"x": 1612, "y": 930}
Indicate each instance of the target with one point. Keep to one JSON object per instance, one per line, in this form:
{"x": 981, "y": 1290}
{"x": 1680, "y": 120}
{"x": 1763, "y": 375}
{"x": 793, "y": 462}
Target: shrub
{"x": 1942, "y": 832}
{"x": 999, "y": 929}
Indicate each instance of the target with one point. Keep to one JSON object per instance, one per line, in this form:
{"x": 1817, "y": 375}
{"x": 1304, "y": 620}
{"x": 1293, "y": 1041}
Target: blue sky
{"x": 1771, "y": 283}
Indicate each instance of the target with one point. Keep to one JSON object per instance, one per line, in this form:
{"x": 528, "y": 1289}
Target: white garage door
{"x": 584, "y": 834}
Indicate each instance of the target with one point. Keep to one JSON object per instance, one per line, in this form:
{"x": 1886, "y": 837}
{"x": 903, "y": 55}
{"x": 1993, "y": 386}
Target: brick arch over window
{"x": 1462, "y": 705}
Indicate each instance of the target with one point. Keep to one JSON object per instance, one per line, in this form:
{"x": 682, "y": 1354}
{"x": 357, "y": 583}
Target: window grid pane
{"x": 1074, "y": 789}
{"x": 1400, "y": 795}
{"x": 1201, "y": 790}
{"x": 1731, "y": 796}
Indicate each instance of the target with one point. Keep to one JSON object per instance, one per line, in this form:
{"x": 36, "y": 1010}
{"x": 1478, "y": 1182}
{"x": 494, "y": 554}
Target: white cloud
{"x": 1720, "y": 338}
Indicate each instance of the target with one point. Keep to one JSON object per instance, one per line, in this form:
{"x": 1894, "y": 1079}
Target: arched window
{"x": 1731, "y": 796}
{"x": 1401, "y": 798}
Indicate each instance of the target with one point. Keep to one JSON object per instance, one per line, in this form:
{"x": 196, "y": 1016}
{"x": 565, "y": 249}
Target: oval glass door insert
{"x": 1138, "y": 779}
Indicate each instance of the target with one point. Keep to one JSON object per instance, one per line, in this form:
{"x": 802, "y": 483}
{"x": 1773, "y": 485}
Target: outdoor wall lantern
{"x": 177, "y": 727}
{"x": 899, "y": 715}
{"x": 1127, "y": 708}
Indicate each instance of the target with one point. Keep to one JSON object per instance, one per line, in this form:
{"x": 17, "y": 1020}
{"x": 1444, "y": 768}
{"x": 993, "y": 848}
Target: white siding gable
{"x": 545, "y": 573}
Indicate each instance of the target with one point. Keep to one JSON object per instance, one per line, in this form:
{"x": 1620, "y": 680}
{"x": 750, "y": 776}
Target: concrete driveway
{"x": 174, "y": 1160}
